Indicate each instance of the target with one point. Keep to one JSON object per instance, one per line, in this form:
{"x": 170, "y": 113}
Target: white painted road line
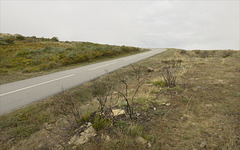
{"x": 37, "y": 85}
{"x": 129, "y": 58}
{"x": 102, "y": 66}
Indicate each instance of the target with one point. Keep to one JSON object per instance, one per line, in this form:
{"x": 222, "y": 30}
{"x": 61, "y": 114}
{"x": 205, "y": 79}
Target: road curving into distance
{"x": 20, "y": 93}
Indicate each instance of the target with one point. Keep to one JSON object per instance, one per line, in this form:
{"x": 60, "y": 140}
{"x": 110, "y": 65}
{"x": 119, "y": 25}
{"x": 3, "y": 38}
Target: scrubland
{"x": 24, "y": 57}
{"x": 198, "y": 109}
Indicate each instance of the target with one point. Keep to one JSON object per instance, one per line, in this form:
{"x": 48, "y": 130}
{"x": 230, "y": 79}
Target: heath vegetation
{"x": 22, "y": 56}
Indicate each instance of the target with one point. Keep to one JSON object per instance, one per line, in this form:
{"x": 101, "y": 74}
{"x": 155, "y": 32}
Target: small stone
{"x": 149, "y": 70}
{"x": 84, "y": 136}
{"x": 138, "y": 114}
{"x": 141, "y": 140}
{"x": 154, "y": 108}
{"x": 203, "y": 144}
{"x": 220, "y": 81}
{"x": 213, "y": 146}
{"x": 108, "y": 139}
{"x": 89, "y": 124}
{"x": 117, "y": 112}
{"x": 150, "y": 84}
{"x": 168, "y": 104}
{"x": 209, "y": 105}
{"x": 48, "y": 126}
{"x": 149, "y": 145}
{"x": 199, "y": 88}
{"x": 163, "y": 103}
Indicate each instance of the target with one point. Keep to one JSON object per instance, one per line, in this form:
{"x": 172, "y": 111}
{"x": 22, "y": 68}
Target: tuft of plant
{"x": 136, "y": 130}
{"x": 160, "y": 83}
{"x": 101, "y": 122}
{"x": 170, "y": 72}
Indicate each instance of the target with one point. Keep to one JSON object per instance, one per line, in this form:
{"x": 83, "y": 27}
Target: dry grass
{"x": 203, "y": 111}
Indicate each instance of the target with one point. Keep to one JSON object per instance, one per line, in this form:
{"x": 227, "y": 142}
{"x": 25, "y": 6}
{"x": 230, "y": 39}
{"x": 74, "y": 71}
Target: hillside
{"x": 187, "y": 100}
{"x": 24, "y": 57}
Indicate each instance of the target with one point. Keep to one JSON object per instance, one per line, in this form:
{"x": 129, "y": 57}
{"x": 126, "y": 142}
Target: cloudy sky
{"x": 188, "y": 24}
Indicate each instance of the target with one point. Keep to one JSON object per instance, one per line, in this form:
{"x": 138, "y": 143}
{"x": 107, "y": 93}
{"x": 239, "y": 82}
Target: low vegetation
{"x": 198, "y": 108}
{"x": 24, "y": 56}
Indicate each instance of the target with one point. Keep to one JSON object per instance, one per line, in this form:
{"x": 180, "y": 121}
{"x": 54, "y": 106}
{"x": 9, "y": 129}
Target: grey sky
{"x": 179, "y": 24}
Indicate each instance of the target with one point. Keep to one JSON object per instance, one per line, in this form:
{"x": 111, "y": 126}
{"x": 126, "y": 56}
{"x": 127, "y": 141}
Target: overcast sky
{"x": 179, "y": 24}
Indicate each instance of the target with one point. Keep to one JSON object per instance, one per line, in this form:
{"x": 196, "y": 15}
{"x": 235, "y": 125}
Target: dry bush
{"x": 183, "y": 52}
{"x": 170, "y": 72}
{"x": 102, "y": 91}
{"x": 71, "y": 120}
{"x": 136, "y": 77}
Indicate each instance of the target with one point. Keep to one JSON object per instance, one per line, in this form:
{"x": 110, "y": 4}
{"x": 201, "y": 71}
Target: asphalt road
{"x": 18, "y": 94}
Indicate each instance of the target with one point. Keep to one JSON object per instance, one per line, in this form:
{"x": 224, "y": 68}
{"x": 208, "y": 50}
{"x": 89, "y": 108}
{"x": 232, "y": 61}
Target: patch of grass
{"x": 136, "y": 130}
{"x": 21, "y": 124}
{"x": 177, "y": 89}
{"x": 122, "y": 126}
{"x": 159, "y": 83}
{"x": 143, "y": 102}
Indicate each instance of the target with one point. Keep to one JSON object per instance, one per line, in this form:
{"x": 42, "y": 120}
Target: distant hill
{"x": 24, "y": 54}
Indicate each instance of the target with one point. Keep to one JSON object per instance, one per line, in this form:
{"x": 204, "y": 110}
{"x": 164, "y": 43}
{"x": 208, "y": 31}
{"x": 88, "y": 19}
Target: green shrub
{"x": 55, "y": 39}
{"x": 9, "y": 40}
{"x": 32, "y": 69}
{"x": 47, "y": 49}
{"x": 182, "y": 52}
{"x": 3, "y": 71}
{"x": 48, "y": 65}
{"x": 24, "y": 52}
{"x": 20, "y": 37}
{"x": 227, "y": 54}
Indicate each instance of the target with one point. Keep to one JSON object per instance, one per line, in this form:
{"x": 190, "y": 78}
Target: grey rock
{"x": 117, "y": 112}
{"x": 83, "y": 137}
{"x": 149, "y": 145}
{"x": 149, "y": 70}
{"x": 203, "y": 144}
{"x": 141, "y": 140}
